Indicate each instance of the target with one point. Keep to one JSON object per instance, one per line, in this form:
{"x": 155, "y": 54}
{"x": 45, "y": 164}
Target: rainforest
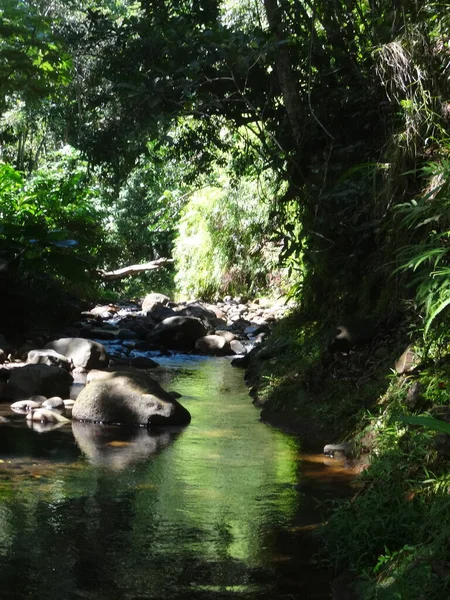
{"x": 250, "y": 153}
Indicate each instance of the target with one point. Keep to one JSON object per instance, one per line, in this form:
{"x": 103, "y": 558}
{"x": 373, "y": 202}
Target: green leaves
{"x": 423, "y": 421}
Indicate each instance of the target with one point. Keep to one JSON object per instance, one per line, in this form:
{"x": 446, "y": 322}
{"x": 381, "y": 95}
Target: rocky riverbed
{"x": 114, "y": 348}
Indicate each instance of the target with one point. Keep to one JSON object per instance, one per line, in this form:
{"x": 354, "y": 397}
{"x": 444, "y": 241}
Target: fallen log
{"x": 134, "y": 269}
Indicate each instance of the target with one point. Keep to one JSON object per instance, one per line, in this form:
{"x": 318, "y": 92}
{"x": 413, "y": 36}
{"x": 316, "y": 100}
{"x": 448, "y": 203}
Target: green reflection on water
{"x": 195, "y": 517}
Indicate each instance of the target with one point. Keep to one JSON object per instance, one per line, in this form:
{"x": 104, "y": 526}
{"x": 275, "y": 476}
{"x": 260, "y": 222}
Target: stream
{"x": 221, "y": 509}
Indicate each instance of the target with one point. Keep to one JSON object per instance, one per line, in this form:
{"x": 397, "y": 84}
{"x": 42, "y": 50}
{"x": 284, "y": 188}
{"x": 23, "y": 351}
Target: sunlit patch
{"x": 303, "y": 528}
{"x": 117, "y": 444}
{"x": 236, "y": 589}
{"x": 146, "y": 486}
{"x": 278, "y": 558}
{"x": 219, "y": 433}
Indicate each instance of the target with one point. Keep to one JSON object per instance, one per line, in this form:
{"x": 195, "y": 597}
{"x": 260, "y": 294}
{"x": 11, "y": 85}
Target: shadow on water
{"x": 221, "y": 509}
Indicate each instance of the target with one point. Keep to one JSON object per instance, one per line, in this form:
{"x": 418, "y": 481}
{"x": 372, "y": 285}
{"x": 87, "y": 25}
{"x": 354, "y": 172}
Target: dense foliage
{"x": 234, "y": 136}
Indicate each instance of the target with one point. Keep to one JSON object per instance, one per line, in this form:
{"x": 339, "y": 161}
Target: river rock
{"x": 38, "y": 379}
{"x": 212, "y": 344}
{"x": 45, "y": 415}
{"x": 48, "y": 357}
{"x": 158, "y": 312}
{"x": 83, "y": 353}
{"x": 179, "y": 333}
{"x": 143, "y": 362}
{"x": 237, "y": 347}
{"x": 128, "y": 398}
{"x": 151, "y": 299}
{"x": 23, "y": 406}
{"x": 207, "y": 316}
{"x": 55, "y": 403}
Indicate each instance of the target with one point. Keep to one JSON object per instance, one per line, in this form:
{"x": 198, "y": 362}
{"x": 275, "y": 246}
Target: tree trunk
{"x": 135, "y": 269}
{"x": 286, "y": 76}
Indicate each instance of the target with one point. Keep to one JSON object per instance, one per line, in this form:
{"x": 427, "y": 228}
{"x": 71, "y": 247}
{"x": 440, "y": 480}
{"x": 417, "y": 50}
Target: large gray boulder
{"x": 48, "y": 357}
{"x": 83, "y": 353}
{"x": 43, "y": 380}
{"x": 128, "y": 398}
{"x": 159, "y": 312}
{"x": 207, "y": 316}
{"x": 213, "y": 344}
{"x": 178, "y": 333}
{"x": 154, "y": 298}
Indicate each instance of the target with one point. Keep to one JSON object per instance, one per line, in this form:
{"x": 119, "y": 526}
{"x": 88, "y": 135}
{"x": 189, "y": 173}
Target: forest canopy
{"x": 321, "y": 126}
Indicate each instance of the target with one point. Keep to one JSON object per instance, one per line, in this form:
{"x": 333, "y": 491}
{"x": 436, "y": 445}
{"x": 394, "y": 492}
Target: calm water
{"x": 217, "y": 510}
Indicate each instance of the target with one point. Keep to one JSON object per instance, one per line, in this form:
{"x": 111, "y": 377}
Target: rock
{"x": 241, "y": 362}
{"x": 54, "y": 403}
{"x": 83, "y": 353}
{"x": 238, "y": 347}
{"x": 414, "y": 397}
{"x": 99, "y": 333}
{"x": 23, "y": 406}
{"x": 128, "y": 398}
{"x": 350, "y": 335}
{"x": 105, "y": 312}
{"x": 212, "y": 344}
{"x": 127, "y": 334}
{"x": 151, "y": 299}
{"x": 346, "y": 448}
{"x": 159, "y": 312}
{"x": 201, "y": 312}
{"x": 228, "y": 335}
{"x": 48, "y": 357}
{"x": 143, "y": 362}
{"x": 3, "y": 356}
{"x": 179, "y": 333}
{"x": 38, "y": 379}
{"x": 45, "y": 415}
{"x": 68, "y": 403}
{"x": 407, "y": 361}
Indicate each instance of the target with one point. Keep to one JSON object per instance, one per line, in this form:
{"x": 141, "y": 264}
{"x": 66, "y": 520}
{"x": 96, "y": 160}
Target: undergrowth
{"x": 394, "y": 533}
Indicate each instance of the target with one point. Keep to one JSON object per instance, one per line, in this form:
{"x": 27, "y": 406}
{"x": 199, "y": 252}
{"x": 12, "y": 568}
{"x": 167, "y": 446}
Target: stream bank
{"x": 392, "y": 535}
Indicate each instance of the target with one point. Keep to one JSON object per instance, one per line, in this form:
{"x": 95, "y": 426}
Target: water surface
{"x": 216, "y": 510}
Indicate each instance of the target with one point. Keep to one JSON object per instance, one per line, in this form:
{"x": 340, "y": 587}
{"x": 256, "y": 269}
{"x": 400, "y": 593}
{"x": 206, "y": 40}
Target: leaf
{"x": 424, "y": 421}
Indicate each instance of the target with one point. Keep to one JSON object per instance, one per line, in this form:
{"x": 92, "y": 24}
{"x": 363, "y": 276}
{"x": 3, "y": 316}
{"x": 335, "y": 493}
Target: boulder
{"x": 351, "y": 335}
{"x": 23, "y": 406}
{"x": 143, "y": 362}
{"x": 201, "y": 312}
{"x": 179, "y": 333}
{"x": 158, "y": 312}
{"x": 48, "y": 357}
{"x": 128, "y": 398}
{"x": 212, "y": 344}
{"x": 127, "y": 334}
{"x": 237, "y": 347}
{"x": 83, "y": 353}
{"x": 45, "y": 380}
{"x": 407, "y": 361}
{"x": 55, "y": 403}
{"x": 151, "y": 299}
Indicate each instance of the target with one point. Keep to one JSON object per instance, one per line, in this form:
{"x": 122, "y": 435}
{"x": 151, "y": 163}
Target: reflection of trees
{"x": 191, "y": 522}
